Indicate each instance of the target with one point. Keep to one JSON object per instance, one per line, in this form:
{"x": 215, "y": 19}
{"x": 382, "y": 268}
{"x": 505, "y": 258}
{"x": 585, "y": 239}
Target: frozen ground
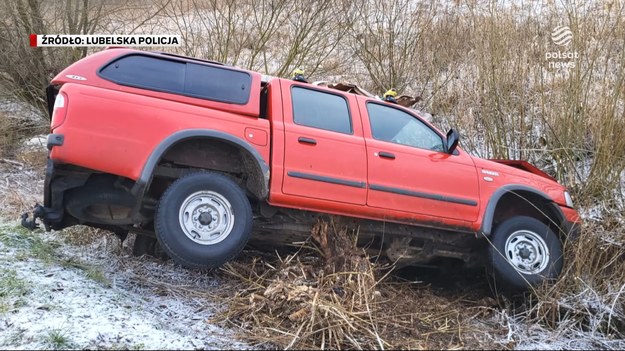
{"x": 85, "y": 297}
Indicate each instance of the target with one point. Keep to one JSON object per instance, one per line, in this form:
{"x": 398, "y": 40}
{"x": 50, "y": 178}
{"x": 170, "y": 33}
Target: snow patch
{"x": 91, "y": 315}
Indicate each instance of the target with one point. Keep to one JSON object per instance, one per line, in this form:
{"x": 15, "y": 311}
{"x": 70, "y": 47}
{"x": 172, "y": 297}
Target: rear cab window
{"x": 196, "y": 80}
{"x": 321, "y": 110}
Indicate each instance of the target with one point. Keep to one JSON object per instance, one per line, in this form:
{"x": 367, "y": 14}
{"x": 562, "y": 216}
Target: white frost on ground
{"x": 91, "y": 315}
{"x": 525, "y": 336}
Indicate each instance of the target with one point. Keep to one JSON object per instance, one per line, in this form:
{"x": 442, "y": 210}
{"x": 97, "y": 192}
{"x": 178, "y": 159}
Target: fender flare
{"x": 489, "y": 213}
{"x": 145, "y": 178}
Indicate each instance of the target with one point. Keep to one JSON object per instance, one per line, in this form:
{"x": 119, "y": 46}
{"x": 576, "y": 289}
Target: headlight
{"x": 567, "y": 197}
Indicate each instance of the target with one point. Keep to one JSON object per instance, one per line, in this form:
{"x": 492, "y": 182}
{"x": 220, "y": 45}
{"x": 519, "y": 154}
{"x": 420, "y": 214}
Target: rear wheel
{"x": 203, "y": 220}
{"x": 525, "y": 252}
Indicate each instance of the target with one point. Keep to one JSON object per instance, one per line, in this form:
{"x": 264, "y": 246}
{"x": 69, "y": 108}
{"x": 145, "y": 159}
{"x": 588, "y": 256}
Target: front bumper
{"x": 572, "y": 230}
{"x": 571, "y": 224}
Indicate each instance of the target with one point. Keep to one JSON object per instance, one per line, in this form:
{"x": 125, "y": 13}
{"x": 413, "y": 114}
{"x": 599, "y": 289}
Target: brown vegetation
{"x": 338, "y": 299}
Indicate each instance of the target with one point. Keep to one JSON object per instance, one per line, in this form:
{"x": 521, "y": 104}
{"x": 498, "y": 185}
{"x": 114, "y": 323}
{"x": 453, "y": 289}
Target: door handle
{"x": 386, "y": 155}
{"x": 305, "y": 140}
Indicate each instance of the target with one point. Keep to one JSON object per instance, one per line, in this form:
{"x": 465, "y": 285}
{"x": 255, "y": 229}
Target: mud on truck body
{"x": 198, "y": 155}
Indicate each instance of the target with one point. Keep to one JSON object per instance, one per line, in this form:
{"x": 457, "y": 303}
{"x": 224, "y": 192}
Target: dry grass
{"x": 335, "y": 298}
{"x": 19, "y": 190}
{"x": 12, "y": 131}
{"x": 21, "y": 186}
{"x": 82, "y": 235}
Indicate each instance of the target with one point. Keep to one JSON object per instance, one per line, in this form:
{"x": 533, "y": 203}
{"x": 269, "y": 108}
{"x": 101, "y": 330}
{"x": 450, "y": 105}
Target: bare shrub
{"x": 337, "y": 298}
{"x": 389, "y": 40}
{"x": 273, "y": 37}
{"x": 25, "y": 72}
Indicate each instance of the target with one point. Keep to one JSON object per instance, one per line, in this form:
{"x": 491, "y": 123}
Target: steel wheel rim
{"x": 527, "y": 252}
{"x": 206, "y": 217}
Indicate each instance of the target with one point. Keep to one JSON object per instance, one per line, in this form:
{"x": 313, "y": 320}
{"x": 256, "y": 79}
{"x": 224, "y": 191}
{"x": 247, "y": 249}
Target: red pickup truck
{"x": 199, "y": 154}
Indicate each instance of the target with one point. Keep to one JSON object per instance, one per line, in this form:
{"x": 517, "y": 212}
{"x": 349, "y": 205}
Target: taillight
{"x": 59, "y": 111}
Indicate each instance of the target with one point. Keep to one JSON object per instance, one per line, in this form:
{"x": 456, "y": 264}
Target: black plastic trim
{"x": 489, "y": 213}
{"x": 51, "y": 92}
{"x": 57, "y": 182}
{"x": 305, "y": 140}
{"x": 47, "y": 184}
{"x": 148, "y": 169}
{"x": 385, "y": 154}
{"x": 55, "y": 140}
{"x": 429, "y": 196}
{"x": 326, "y": 179}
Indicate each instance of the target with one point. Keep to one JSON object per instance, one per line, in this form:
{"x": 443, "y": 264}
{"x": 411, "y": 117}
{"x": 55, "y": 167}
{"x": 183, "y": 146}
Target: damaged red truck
{"x": 199, "y": 155}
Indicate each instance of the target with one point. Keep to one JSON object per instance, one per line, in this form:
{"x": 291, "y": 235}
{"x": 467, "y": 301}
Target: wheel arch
{"x": 509, "y": 195}
{"x": 254, "y": 162}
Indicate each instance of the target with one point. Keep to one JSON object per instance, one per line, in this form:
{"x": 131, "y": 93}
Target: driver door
{"x": 408, "y": 169}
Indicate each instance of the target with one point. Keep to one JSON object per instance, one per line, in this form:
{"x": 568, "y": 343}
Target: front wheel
{"x": 203, "y": 220}
{"x": 525, "y": 252}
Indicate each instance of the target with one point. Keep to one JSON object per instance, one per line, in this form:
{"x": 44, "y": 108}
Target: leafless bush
{"x": 273, "y": 37}
{"x": 25, "y": 72}
{"x": 391, "y": 40}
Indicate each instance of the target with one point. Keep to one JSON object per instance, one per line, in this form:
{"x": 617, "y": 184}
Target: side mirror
{"x": 452, "y": 141}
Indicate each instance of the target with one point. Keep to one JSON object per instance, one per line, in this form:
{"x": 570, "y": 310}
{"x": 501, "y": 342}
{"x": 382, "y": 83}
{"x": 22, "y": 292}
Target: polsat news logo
{"x": 561, "y": 36}
{"x": 70, "y": 40}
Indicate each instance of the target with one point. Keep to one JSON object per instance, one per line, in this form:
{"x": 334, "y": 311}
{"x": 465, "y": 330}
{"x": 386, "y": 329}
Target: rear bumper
{"x": 47, "y": 185}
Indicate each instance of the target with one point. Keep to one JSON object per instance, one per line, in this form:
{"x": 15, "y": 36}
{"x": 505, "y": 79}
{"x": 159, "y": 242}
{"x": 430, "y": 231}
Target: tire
{"x": 524, "y": 252}
{"x": 203, "y": 220}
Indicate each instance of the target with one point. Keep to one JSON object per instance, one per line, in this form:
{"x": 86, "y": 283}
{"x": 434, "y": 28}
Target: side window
{"x": 396, "y": 126}
{"x": 217, "y": 83}
{"x": 321, "y": 110}
{"x": 179, "y": 77}
{"x": 147, "y": 72}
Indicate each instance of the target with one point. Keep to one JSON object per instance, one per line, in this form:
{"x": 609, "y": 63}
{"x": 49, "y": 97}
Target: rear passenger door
{"x": 325, "y": 156}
